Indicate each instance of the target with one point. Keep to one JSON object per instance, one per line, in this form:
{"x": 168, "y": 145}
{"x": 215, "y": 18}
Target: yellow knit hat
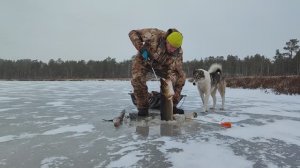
{"x": 175, "y": 39}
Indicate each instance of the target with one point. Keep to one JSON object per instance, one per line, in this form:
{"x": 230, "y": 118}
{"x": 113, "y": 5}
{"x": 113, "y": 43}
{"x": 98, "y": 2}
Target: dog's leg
{"x": 221, "y": 89}
{"x": 213, "y": 95}
{"x": 206, "y": 97}
{"x": 204, "y": 101}
{"x": 202, "y": 97}
{"x": 201, "y": 93}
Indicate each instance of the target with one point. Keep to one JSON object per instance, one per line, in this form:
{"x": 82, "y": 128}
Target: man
{"x": 161, "y": 51}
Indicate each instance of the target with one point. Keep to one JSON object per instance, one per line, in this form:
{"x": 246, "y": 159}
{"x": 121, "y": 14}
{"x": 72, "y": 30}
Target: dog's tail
{"x": 215, "y": 68}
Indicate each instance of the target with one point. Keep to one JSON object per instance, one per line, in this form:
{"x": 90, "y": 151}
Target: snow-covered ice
{"x": 60, "y": 124}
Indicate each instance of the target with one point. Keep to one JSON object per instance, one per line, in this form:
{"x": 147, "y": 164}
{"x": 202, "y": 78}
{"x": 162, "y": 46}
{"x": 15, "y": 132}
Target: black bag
{"x": 154, "y": 99}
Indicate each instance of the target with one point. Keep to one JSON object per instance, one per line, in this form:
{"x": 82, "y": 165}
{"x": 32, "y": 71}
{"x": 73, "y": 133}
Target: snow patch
{"x": 83, "y": 128}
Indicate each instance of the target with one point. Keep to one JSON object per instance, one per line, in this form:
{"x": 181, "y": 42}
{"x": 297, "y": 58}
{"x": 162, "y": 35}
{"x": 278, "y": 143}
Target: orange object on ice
{"x": 226, "y": 124}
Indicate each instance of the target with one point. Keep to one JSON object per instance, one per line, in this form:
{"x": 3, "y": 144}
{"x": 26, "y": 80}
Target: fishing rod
{"x": 154, "y": 73}
{"x": 153, "y": 69}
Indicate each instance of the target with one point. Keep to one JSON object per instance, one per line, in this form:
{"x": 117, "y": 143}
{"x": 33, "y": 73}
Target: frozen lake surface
{"x": 59, "y": 124}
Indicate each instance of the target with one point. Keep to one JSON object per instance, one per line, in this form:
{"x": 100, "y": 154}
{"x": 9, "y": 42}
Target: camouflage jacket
{"x": 154, "y": 40}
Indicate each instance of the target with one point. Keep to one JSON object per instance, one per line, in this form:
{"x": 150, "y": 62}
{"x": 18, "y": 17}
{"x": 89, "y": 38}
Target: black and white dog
{"x": 208, "y": 82}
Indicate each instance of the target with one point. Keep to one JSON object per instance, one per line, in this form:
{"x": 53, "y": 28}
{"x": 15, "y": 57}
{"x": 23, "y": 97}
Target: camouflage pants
{"x": 140, "y": 69}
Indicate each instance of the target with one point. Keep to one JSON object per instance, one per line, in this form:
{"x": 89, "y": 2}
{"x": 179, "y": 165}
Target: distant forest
{"x": 283, "y": 63}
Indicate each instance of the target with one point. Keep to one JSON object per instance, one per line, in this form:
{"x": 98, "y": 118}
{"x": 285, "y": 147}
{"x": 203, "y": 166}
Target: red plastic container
{"x": 226, "y": 124}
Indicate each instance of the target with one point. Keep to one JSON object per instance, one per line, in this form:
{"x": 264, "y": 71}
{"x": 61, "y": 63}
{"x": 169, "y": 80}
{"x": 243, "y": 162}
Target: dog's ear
{"x": 202, "y": 73}
{"x": 194, "y": 71}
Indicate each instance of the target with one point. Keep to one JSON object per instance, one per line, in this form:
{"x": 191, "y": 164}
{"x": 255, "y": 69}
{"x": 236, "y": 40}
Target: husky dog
{"x": 208, "y": 82}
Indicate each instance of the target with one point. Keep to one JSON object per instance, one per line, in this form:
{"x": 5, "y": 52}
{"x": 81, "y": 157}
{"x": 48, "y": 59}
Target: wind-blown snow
{"x": 60, "y": 124}
{"x": 83, "y": 128}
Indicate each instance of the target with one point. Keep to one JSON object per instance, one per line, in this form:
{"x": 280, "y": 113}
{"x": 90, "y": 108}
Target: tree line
{"x": 283, "y": 63}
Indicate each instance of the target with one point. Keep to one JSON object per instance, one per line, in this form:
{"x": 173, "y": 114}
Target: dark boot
{"x": 143, "y": 112}
{"x": 177, "y": 110}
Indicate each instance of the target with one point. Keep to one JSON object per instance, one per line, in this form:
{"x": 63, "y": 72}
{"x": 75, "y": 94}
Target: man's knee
{"x": 181, "y": 79}
{"x": 139, "y": 82}
{"x": 176, "y": 98}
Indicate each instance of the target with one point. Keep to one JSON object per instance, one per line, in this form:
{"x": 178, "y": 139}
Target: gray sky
{"x": 95, "y": 29}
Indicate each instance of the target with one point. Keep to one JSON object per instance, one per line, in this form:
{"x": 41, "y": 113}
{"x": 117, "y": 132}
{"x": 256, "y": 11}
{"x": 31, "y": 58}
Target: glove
{"x": 145, "y": 54}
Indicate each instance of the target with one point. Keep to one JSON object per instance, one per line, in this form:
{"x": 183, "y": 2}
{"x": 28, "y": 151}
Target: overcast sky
{"x": 97, "y": 29}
